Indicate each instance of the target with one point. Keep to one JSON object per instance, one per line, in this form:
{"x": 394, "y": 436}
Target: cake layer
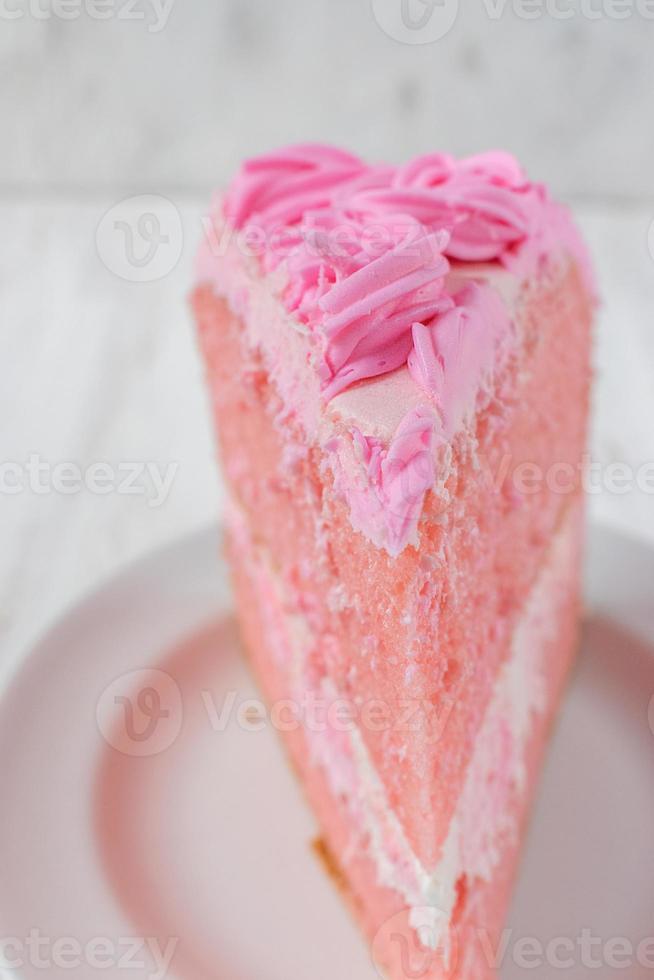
{"x": 434, "y": 624}
{"x": 457, "y": 905}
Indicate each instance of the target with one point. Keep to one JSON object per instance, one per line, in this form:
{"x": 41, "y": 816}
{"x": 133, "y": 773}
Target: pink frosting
{"x": 367, "y": 316}
{"x": 385, "y": 486}
{"x": 385, "y": 482}
{"x": 360, "y": 256}
{"x": 365, "y": 250}
{"x": 485, "y": 201}
{"x": 278, "y": 189}
{"x": 450, "y": 352}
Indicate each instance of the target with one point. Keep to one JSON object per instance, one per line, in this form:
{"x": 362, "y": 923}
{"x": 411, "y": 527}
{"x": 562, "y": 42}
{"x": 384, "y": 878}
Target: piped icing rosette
{"x": 366, "y": 250}
{"x": 368, "y": 314}
{"x": 485, "y": 201}
{"x": 279, "y": 189}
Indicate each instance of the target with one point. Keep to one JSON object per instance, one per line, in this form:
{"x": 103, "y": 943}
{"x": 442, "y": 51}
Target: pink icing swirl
{"x": 365, "y": 251}
{"x": 368, "y": 314}
{"x": 449, "y": 353}
{"x": 387, "y": 504}
{"x": 485, "y": 201}
{"x": 278, "y": 189}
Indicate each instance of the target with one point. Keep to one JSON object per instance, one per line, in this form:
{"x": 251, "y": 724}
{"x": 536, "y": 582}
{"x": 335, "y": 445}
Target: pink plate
{"x": 149, "y": 826}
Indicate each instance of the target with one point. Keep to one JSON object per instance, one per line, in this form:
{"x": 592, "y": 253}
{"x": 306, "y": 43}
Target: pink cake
{"x": 398, "y": 360}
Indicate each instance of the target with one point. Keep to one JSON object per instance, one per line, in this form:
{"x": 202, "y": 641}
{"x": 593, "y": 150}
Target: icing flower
{"x": 367, "y": 315}
{"x": 484, "y": 200}
{"x": 278, "y": 189}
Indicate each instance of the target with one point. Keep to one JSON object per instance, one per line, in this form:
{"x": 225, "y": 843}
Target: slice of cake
{"x": 398, "y": 359}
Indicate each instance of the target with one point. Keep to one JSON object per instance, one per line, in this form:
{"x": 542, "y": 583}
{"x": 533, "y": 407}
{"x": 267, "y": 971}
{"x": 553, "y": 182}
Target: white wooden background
{"x": 97, "y": 367}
